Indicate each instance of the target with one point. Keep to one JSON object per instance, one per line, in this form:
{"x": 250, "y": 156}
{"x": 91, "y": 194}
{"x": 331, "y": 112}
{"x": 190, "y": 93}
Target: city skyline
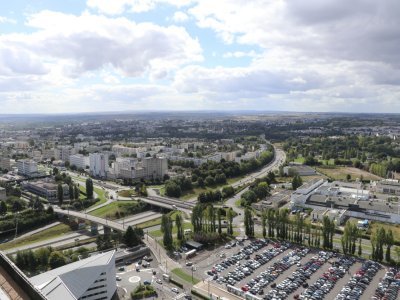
{"x": 187, "y": 55}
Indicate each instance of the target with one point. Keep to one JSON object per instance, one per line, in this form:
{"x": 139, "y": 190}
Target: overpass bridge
{"x": 163, "y": 202}
{"x": 95, "y": 221}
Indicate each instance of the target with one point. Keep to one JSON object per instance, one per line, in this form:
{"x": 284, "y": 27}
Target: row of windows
{"x": 94, "y": 294}
{"x": 97, "y": 287}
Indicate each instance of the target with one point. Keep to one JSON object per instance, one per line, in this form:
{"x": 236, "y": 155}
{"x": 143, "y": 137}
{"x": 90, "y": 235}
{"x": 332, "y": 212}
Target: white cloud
{"x": 7, "y": 20}
{"x": 117, "y": 7}
{"x": 88, "y": 43}
{"x": 180, "y": 17}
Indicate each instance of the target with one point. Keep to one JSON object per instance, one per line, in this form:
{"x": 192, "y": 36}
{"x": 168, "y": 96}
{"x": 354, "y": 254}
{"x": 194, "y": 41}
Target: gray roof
{"x": 71, "y": 281}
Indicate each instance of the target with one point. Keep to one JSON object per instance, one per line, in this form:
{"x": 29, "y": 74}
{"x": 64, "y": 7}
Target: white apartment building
{"x": 155, "y": 167}
{"x": 92, "y": 278}
{"x": 98, "y": 163}
{"x": 120, "y": 150}
{"x": 79, "y": 160}
{"x": 27, "y": 167}
{"x": 64, "y": 152}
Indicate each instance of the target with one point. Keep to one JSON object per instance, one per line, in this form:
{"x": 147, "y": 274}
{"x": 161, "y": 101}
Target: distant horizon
{"x": 243, "y": 112}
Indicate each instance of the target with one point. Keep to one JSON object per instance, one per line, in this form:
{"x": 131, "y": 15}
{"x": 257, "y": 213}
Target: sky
{"x": 154, "y": 55}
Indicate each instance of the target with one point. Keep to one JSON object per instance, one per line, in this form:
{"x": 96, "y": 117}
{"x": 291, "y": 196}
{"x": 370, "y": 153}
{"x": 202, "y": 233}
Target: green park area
{"x": 185, "y": 276}
{"x": 118, "y": 209}
{"x": 44, "y": 235}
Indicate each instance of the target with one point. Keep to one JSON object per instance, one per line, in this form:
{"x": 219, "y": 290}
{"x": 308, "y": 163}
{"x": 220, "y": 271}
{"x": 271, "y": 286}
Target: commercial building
{"x": 344, "y": 199}
{"x": 80, "y": 161}
{"x": 388, "y": 186}
{"x": 92, "y": 278}
{"x": 27, "y": 167}
{"x": 45, "y": 189}
{"x": 3, "y": 195}
{"x": 98, "y": 163}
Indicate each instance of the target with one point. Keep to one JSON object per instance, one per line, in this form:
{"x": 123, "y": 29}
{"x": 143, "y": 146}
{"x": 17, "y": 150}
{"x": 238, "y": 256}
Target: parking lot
{"x": 140, "y": 271}
{"x": 271, "y": 270}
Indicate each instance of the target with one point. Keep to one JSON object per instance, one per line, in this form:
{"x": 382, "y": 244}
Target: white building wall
{"x": 98, "y": 164}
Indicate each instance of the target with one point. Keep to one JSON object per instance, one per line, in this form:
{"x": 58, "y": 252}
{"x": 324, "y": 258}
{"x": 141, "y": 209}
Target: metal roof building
{"x": 92, "y": 278}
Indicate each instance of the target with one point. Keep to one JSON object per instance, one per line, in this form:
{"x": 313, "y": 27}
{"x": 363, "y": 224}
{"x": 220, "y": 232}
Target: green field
{"x": 127, "y": 193}
{"x": 340, "y": 173}
{"x": 158, "y": 233}
{"x": 111, "y": 210}
{"x": 185, "y": 276}
{"x": 154, "y": 222}
{"x": 395, "y": 228}
{"x": 46, "y": 234}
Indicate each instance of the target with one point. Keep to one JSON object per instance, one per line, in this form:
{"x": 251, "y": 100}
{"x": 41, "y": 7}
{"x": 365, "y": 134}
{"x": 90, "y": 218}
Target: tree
{"x": 172, "y": 189}
{"x": 248, "y": 222}
{"x": 397, "y": 250}
{"x": 89, "y": 188}
{"x": 179, "y": 226}
{"x": 17, "y": 206}
{"x": 229, "y": 217}
{"x": 55, "y": 171}
{"x": 130, "y": 237}
{"x": 348, "y": 177}
{"x": 56, "y": 259}
{"x": 60, "y": 194}
{"x": 209, "y": 181}
{"x": 38, "y": 205}
{"x": 389, "y": 243}
{"x": 359, "y": 248}
{"x": 248, "y": 198}
{"x": 296, "y": 182}
{"x": 3, "y": 208}
{"x": 76, "y": 192}
{"x": 166, "y": 229}
{"x": 227, "y": 191}
{"x": 219, "y": 217}
{"x": 264, "y": 224}
{"x": 42, "y": 257}
{"x": 71, "y": 192}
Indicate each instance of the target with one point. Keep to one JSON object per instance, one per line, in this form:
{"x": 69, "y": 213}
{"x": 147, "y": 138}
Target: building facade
{"x": 92, "y": 278}
{"x": 155, "y": 167}
{"x": 98, "y": 164}
{"x": 46, "y": 189}
{"x": 27, "y": 167}
{"x": 80, "y": 161}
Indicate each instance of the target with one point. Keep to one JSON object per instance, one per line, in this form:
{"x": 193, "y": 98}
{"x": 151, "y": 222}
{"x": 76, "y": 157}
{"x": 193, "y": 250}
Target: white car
{"x": 175, "y": 290}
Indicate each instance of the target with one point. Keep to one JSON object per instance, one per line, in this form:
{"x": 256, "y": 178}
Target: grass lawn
{"x": 194, "y": 193}
{"x": 101, "y": 194}
{"x": 111, "y": 209}
{"x": 299, "y": 160}
{"x": 158, "y": 233}
{"x": 185, "y": 276}
{"x": 395, "y": 228}
{"x": 155, "y": 222}
{"x": 46, "y": 234}
{"x": 340, "y": 173}
{"x": 233, "y": 180}
{"x": 127, "y": 193}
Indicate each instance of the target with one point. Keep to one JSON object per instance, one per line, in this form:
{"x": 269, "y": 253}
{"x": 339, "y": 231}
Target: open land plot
{"x": 340, "y": 173}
